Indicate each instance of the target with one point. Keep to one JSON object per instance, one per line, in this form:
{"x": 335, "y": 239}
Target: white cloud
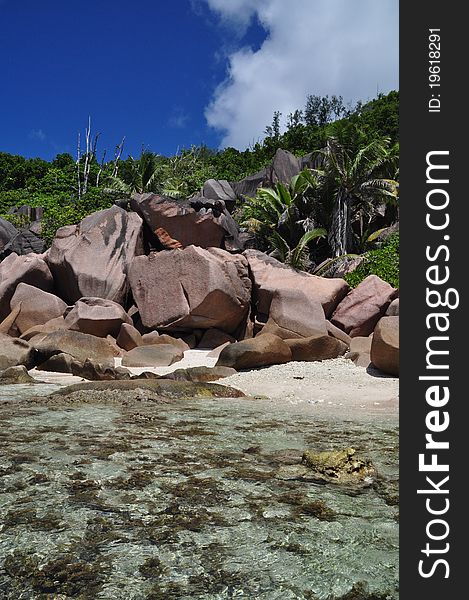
{"x": 342, "y": 47}
{"x": 37, "y": 134}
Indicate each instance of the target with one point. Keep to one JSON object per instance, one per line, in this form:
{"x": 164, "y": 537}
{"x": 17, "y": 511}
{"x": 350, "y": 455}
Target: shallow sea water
{"x": 187, "y": 500}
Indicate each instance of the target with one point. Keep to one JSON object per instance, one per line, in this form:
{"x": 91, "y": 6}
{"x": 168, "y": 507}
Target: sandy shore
{"x": 335, "y": 388}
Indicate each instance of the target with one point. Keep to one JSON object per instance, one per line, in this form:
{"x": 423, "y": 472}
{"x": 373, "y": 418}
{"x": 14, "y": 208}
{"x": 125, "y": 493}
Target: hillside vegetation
{"x": 335, "y": 207}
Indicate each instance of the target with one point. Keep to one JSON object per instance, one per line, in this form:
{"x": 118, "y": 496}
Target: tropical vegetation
{"x": 333, "y": 209}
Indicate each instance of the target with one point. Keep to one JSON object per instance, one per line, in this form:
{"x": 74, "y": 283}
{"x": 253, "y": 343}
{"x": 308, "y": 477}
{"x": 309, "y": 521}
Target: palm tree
{"x": 281, "y": 208}
{"x": 354, "y": 188}
{"x": 297, "y": 257}
{"x": 141, "y": 176}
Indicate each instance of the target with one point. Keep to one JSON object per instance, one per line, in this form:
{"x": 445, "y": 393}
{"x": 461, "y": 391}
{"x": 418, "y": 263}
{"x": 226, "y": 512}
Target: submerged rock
{"x": 334, "y": 466}
{"x": 338, "y": 464}
{"x": 163, "y": 387}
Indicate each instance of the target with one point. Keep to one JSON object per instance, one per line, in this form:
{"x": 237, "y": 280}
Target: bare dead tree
{"x": 117, "y": 156}
{"x": 101, "y": 167}
{"x": 91, "y": 147}
{"x": 78, "y": 166}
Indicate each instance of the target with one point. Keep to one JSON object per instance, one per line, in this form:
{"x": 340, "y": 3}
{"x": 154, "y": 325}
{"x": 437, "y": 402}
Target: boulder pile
{"x": 147, "y": 284}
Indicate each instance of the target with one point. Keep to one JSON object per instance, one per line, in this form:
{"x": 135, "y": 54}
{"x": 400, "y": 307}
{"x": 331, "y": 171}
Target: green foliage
{"x": 291, "y": 213}
{"x": 59, "y": 211}
{"x": 297, "y": 257}
{"x": 383, "y": 262}
{"x": 18, "y": 220}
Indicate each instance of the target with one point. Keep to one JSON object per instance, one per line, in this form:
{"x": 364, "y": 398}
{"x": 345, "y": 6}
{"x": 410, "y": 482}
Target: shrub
{"x": 383, "y": 262}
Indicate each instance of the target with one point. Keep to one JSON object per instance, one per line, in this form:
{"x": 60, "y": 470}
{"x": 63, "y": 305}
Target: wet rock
{"x": 164, "y": 387}
{"x": 79, "y": 345}
{"x": 14, "y": 352}
{"x": 160, "y": 355}
{"x": 362, "y": 308}
{"x": 384, "y": 352}
{"x": 342, "y": 465}
{"x": 191, "y": 288}
{"x": 257, "y": 352}
{"x": 91, "y": 259}
{"x": 97, "y": 316}
{"x": 271, "y": 276}
{"x": 21, "y": 269}
{"x": 201, "y": 374}
{"x": 319, "y": 347}
{"x": 14, "y": 375}
{"x": 37, "y": 307}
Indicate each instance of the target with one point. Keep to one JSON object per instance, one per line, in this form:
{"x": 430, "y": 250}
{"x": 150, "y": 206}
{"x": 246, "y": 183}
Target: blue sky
{"x": 171, "y": 74}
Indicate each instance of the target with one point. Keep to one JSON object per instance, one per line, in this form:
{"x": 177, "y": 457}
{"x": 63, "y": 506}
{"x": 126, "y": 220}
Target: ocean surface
{"x": 190, "y": 499}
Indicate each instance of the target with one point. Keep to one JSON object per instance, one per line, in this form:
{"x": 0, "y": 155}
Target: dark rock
{"x": 97, "y": 372}
{"x": 220, "y": 189}
{"x": 166, "y": 388}
{"x": 19, "y": 241}
{"x": 212, "y": 338}
{"x": 58, "y": 363}
{"x": 284, "y": 166}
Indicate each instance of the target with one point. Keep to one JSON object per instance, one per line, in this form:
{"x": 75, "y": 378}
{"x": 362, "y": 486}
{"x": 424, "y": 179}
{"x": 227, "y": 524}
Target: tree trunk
{"x": 340, "y": 233}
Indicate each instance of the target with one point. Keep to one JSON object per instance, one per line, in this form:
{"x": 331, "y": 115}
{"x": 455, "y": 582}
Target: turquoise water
{"x": 187, "y": 500}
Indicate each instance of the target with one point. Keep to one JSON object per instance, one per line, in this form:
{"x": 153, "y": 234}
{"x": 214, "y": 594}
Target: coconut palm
{"x": 355, "y": 188}
{"x": 141, "y": 175}
{"x": 282, "y": 209}
{"x": 297, "y": 257}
